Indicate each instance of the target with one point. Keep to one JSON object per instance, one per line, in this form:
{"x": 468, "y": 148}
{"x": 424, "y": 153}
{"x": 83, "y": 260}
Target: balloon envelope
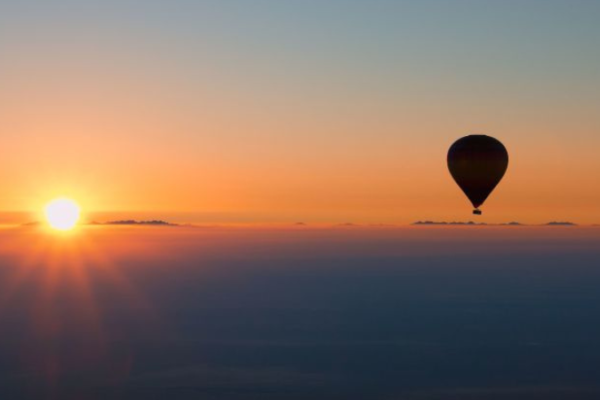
{"x": 477, "y": 163}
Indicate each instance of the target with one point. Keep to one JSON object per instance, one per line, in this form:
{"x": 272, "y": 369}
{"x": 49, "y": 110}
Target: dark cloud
{"x": 523, "y": 392}
{"x": 210, "y": 378}
{"x": 470, "y": 223}
{"x": 135, "y": 222}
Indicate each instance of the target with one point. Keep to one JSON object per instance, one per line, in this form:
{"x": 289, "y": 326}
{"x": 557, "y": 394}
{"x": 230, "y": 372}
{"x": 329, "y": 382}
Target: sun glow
{"x": 62, "y": 214}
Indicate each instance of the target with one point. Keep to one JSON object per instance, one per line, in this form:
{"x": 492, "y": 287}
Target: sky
{"x": 316, "y": 111}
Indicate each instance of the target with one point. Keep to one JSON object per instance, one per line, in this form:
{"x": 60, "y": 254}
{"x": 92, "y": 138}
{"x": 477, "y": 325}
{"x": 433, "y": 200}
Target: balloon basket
{"x": 477, "y": 212}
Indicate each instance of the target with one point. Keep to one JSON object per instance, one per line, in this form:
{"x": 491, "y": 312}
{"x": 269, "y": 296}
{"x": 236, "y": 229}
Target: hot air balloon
{"x": 477, "y": 163}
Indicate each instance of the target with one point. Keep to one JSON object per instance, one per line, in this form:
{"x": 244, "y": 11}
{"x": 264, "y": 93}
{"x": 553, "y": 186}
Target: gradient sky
{"x": 298, "y": 110}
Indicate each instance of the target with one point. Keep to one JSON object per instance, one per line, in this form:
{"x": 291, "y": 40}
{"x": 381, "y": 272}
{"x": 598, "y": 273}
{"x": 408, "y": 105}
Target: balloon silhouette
{"x": 477, "y": 163}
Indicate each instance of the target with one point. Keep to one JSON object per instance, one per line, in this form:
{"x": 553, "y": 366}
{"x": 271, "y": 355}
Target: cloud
{"x": 134, "y": 222}
{"x": 548, "y": 391}
{"x": 32, "y": 223}
{"x": 469, "y": 223}
{"x": 229, "y": 379}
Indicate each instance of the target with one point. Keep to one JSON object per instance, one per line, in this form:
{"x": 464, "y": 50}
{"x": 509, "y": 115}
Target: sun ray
{"x": 65, "y": 271}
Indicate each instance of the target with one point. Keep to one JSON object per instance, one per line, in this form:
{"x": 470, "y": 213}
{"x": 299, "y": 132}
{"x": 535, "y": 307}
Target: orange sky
{"x": 349, "y": 121}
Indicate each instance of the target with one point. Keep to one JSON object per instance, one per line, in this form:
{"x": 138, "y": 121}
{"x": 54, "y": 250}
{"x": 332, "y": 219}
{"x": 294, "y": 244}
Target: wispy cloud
{"x": 472, "y": 223}
{"x": 447, "y": 223}
{"x": 135, "y": 222}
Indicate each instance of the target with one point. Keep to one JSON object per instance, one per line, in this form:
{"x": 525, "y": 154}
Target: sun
{"x": 62, "y": 214}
